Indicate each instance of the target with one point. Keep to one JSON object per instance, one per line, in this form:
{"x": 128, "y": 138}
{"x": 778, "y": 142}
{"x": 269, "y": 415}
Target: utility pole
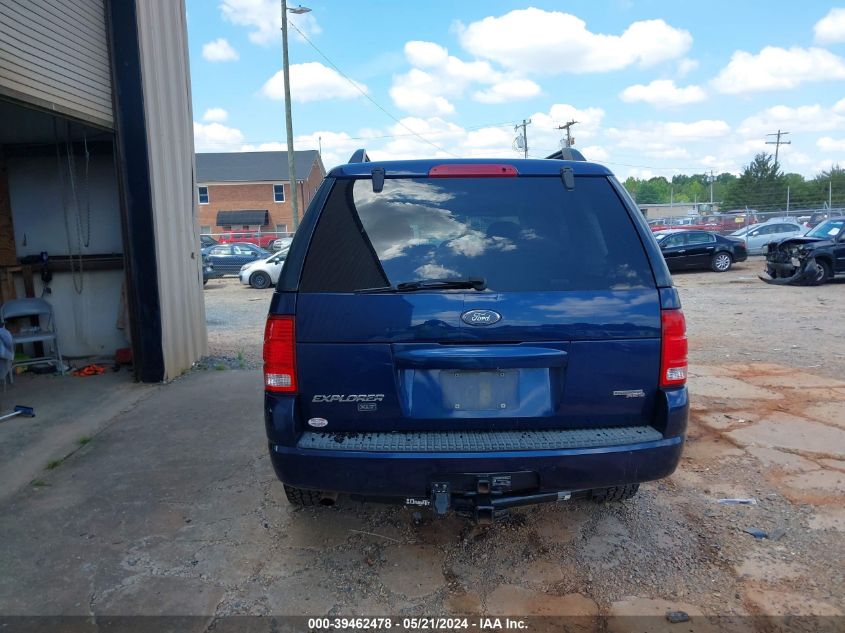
{"x": 524, "y": 137}
{"x": 787, "y": 199}
{"x": 830, "y": 194}
{"x": 712, "y": 180}
{"x": 294, "y": 194}
{"x": 569, "y": 140}
{"x": 777, "y": 143}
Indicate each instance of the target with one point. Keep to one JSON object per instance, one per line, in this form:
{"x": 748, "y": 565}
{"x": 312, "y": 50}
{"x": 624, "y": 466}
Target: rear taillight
{"x": 280, "y": 355}
{"x": 673, "y": 357}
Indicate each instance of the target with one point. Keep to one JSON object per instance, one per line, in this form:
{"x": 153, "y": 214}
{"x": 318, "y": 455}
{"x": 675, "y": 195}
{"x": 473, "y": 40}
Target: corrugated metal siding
{"x": 54, "y": 54}
{"x": 167, "y": 101}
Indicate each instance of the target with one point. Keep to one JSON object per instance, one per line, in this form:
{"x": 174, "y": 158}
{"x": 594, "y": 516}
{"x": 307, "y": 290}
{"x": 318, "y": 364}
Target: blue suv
{"x": 473, "y": 335}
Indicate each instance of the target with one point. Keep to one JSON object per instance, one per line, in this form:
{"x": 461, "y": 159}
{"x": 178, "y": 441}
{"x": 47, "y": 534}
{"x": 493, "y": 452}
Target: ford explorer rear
{"x": 473, "y": 335}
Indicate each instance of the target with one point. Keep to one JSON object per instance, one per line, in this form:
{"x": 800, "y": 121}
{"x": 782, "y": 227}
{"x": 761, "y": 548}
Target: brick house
{"x": 250, "y": 191}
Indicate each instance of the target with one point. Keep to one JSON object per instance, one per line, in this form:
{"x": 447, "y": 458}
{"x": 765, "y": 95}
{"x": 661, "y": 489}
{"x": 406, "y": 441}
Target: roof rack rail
{"x": 360, "y": 156}
{"x": 567, "y": 153}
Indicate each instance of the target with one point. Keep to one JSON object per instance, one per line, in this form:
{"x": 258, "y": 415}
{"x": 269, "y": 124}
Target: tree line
{"x": 761, "y": 186}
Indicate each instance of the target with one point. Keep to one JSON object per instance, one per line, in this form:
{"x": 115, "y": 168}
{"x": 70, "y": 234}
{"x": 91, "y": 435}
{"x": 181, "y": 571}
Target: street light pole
{"x": 294, "y": 196}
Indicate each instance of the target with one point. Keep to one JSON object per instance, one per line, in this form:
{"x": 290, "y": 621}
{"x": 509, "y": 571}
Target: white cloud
{"x": 416, "y": 92}
{"x": 663, "y": 93}
{"x": 831, "y": 28}
{"x": 507, "y": 91}
{"x": 216, "y": 137}
{"x": 533, "y": 40}
{"x": 436, "y": 77}
{"x": 311, "y": 81}
{"x": 669, "y": 140}
{"x": 809, "y": 118}
{"x": 828, "y": 144}
{"x": 686, "y": 66}
{"x": 215, "y": 115}
{"x": 595, "y": 153}
{"x": 777, "y": 68}
{"x": 219, "y": 50}
{"x": 265, "y": 19}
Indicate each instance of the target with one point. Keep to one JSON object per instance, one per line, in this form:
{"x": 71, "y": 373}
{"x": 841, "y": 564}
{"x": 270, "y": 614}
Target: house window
{"x": 205, "y": 229}
{"x": 281, "y": 228}
{"x": 202, "y": 195}
{"x": 278, "y": 193}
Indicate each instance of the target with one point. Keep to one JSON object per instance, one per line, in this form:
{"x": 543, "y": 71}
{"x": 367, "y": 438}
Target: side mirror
{"x": 754, "y": 234}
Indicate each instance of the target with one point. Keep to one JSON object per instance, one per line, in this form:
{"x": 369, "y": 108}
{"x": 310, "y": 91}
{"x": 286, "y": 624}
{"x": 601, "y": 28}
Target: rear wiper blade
{"x": 474, "y": 283}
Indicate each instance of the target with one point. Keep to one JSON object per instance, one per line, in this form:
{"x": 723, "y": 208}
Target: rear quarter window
{"x": 519, "y": 234}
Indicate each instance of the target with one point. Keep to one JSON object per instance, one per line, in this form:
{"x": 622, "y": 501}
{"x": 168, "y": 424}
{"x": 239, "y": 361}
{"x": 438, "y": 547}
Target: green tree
{"x": 760, "y": 186}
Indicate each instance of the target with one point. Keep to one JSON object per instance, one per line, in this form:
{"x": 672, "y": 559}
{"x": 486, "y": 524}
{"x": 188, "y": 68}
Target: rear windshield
{"x": 518, "y": 234}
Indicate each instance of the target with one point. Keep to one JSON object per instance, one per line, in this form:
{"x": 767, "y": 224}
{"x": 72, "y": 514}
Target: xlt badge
{"x": 481, "y": 317}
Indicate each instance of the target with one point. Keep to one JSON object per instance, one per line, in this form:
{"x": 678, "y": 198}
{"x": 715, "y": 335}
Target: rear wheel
{"x": 615, "y": 493}
{"x": 821, "y": 272}
{"x": 301, "y": 497}
{"x": 259, "y": 280}
{"x": 721, "y": 262}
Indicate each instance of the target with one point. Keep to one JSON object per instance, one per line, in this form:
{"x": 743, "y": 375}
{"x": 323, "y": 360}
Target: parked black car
{"x": 229, "y": 258}
{"x": 809, "y": 260}
{"x": 684, "y": 250}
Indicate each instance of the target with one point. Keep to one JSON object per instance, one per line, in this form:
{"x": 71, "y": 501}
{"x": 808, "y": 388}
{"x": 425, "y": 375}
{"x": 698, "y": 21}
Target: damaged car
{"x": 810, "y": 260}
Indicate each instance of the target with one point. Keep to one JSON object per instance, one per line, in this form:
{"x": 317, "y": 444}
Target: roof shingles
{"x": 252, "y": 166}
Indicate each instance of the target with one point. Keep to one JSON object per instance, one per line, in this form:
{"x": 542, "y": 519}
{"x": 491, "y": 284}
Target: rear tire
{"x": 615, "y": 493}
{"x": 721, "y": 262}
{"x": 260, "y": 280}
{"x": 302, "y": 498}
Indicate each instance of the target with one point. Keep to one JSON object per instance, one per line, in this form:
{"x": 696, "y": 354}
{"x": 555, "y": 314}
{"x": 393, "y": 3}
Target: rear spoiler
{"x": 567, "y": 153}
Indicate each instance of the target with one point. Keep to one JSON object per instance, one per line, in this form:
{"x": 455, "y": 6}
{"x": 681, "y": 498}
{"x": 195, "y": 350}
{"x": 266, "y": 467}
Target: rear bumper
{"x": 410, "y": 474}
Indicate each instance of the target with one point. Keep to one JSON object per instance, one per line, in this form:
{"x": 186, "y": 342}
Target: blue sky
{"x": 658, "y": 87}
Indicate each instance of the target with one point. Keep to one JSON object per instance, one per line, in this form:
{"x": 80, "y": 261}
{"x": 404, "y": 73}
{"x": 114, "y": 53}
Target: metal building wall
{"x": 163, "y": 44}
{"x": 54, "y": 54}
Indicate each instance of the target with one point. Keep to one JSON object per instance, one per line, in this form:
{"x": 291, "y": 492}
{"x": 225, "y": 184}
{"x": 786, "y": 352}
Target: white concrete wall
{"x": 86, "y": 322}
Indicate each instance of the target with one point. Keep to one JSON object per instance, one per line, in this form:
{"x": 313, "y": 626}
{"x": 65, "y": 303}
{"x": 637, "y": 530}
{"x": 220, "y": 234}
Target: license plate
{"x": 480, "y": 390}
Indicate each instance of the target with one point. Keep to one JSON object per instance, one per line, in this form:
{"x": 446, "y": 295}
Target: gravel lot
{"x": 768, "y": 423}
{"x": 172, "y": 507}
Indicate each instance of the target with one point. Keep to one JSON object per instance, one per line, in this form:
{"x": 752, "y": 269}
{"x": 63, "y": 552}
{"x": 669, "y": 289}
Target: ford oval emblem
{"x": 481, "y": 317}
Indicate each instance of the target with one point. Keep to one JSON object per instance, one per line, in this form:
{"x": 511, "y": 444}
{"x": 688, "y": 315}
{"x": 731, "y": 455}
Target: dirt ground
{"x": 768, "y": 422}
{"x": 209, "y": 532}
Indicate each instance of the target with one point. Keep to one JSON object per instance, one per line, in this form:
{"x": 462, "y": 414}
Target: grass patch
{"x": 82, "y": 441}
{"x": 54, "y": 463}
{"x": 39, "y": 483}
{"x": 220, "y": 367}
{"x": 241, "y": 360}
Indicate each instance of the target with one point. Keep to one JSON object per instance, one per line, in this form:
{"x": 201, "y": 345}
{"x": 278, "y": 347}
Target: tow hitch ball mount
{"x": 483, "y": 497}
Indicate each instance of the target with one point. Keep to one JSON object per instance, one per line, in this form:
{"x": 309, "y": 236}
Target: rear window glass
{"x": 519, "y": 234}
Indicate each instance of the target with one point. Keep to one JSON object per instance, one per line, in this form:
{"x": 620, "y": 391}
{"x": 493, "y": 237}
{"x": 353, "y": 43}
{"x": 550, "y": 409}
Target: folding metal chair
{"x": 44, "y": 333}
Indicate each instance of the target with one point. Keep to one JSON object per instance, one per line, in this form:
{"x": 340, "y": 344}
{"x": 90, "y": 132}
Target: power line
{"x": 368, "y": 97}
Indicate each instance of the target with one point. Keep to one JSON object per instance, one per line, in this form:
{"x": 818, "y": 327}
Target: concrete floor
{"x": 69, "y": 411}
{"x": 166, "y": 487}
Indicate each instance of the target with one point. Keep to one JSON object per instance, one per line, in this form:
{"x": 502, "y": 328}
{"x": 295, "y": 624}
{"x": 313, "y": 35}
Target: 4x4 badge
{"x": 481, "y": 317}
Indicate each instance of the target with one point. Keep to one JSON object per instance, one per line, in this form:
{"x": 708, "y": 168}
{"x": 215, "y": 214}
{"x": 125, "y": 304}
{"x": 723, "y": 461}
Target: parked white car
{"x": 757, "y": 236}
{"x": 263, "y": 273}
